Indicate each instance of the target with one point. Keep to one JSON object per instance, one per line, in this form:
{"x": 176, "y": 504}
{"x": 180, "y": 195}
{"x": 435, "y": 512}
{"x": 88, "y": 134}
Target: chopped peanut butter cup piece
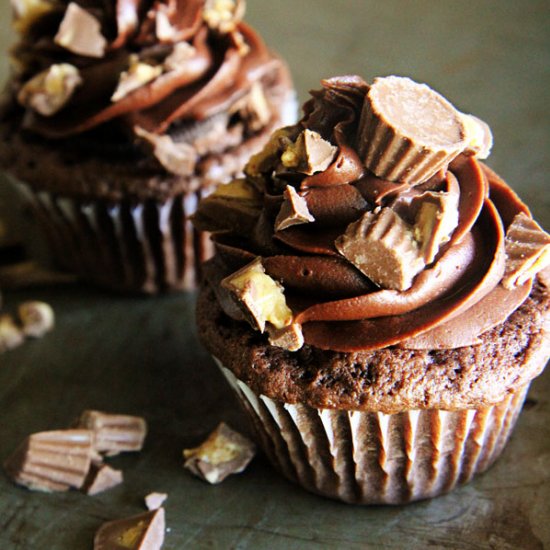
{"x": 11, "y": 335}
{"x": 164, "y": 29}
{"x": 237, "y": 189}
{"x": 49, "y": 91}
{"x": 100, "y": 478}
{"x": 178, "y": 158}
{"x": 267, "y": 159}
{"x": 137, "y": 75}
{"x": 254, "y": 108}
{"x": 142, "y": 532}
{"x": 289, "y": 337}
{"x": 52, "y": 461}
{"x": 407, "y": 131}
{"x": 294, "y": 210}
{"x": 310, "y": 154}
{"x": 114, "y": 433}
{"x": 223, "y": 15}
{"x": 182, "y": 53}
{"x": 478, "y": 135}
{"x": 527, "y": 248}
{"x": 382, "y": 246}
{"x": 259, "y": 296}
{"x": 223, "y": 453}
{"x": 155, "y": 500}
{"x": 233, "y": 205}
{"x": 437, "y": 218}
{"x": 28, "y": 12}
{"x": 37, "y": 318}
{"x": 80, "y": 33}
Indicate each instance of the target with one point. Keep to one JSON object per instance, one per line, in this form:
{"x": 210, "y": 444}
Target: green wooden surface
{"x": 141, "y": 356}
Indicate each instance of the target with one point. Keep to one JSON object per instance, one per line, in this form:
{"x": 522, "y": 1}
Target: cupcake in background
{"x": 378, "y": 298}
{"x": 120, "y": 115}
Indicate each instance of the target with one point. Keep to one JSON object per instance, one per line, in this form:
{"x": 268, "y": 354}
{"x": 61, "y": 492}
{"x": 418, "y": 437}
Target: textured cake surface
{"x": 389, "y": 380}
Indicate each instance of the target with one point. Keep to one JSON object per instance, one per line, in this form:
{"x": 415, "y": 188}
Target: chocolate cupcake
{"x": 120, "y": 115}
{"x": 377, "y": 299}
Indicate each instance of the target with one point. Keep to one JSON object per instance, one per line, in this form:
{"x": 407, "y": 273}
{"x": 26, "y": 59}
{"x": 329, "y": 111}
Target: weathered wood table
{"x": 141, "y": 356}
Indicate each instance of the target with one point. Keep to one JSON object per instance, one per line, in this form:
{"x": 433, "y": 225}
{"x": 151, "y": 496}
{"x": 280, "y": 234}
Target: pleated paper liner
{"x": 376, "y": 458}
{"x": 146, "y": 247}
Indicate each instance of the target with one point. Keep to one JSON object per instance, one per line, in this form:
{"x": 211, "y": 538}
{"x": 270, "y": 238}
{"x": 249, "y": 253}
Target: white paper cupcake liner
{"x": 376, "y": 458}
{"x": 147, "y": 247}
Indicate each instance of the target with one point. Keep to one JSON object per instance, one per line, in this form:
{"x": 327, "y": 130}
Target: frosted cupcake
{"x": 377, "y": 299}
{"x": 119, "y": 116}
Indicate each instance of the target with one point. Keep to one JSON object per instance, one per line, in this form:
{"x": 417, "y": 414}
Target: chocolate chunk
{"x": 114, "y": 433}
{"x": 52, "y": 461}
{"x": 223, "y": 453}
{"x": 294, "y": 210}
{"x": 259, "y": 296}
{"x": 50, "y": 90}
{"x": 407, "y": 131}
{"x": 155, "y": 500}
{"x": 527, "y": 248}
{"x": 11, "y": 336}
{"x": 142, "y": 532}
{"x": 310, "y": 154}
{"x": 80, "y": 33}
{"x": 382, "y": 246}
{"x": 289, "y": 337}
{"x": 37, "y": 318}
{"x": 100, "y": 478}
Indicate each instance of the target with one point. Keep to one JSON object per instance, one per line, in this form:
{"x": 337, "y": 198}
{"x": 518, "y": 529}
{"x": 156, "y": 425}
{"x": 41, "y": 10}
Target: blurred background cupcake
{"x": 120, "y": 115}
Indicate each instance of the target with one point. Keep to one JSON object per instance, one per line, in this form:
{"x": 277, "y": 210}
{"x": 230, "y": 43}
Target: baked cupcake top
{"x": 141, "y": 75}
{"x": 371, "y": 223}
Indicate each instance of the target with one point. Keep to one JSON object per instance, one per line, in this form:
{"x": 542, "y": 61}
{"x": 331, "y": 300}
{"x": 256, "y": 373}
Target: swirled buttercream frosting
{"x": 373, "y": 223}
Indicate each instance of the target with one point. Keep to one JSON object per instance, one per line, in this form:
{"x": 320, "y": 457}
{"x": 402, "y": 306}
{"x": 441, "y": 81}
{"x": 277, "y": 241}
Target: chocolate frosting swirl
{"x": 199, "y": 68}
{"x": 456, "y": 297}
